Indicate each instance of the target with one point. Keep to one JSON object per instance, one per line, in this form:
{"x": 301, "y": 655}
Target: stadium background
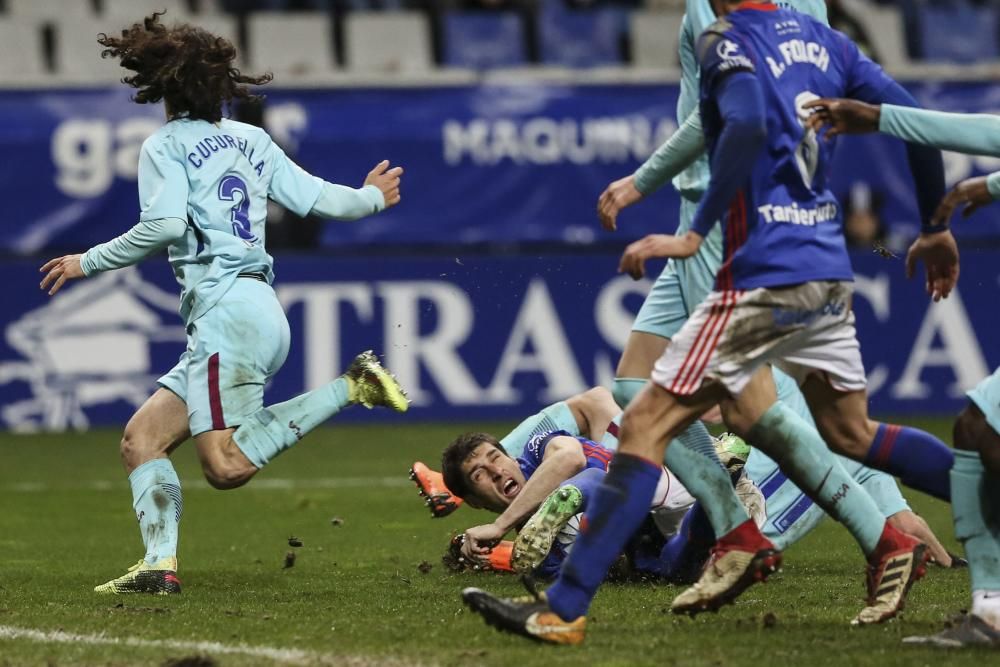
{"x": 491, "y": 290}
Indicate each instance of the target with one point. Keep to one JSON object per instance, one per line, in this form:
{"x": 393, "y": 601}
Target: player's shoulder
{"x": 254, "y": 133}
{"x": 162, "y": 140}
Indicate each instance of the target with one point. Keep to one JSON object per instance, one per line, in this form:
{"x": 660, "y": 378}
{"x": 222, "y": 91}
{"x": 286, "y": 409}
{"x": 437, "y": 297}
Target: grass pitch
{"x": 367, "y": 586}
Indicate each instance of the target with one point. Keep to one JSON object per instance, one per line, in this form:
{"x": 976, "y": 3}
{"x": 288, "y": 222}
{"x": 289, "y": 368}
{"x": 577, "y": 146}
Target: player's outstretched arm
{"x": 672, "y": 157}
{"x": 130, "y": 248}
{"x": 842, "y": 116}
{"x": 379, "y": 191}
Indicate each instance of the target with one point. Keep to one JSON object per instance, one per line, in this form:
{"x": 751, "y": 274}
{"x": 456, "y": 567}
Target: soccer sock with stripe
{"x": 556, "y": 417}
{"x": 975, "y": 504}
{"x": 803, "y": 456}
{"x": 156, "y": 497}
{"x": 616, "y": 510}
{"x": 693, "y": 459}
{"x": 919, "y": 459}
{"x": 273, "y": 429}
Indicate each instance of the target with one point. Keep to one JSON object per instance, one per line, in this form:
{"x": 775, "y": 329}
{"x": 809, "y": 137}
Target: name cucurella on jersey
{"x": 799, "y": 51}
{"x": 219, "y": 142}
{"x": 798, "y": 216}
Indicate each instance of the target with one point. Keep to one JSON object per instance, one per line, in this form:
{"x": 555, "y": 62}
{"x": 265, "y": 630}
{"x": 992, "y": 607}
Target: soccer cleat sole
{"x": 492, "y": 611}
{"x": 367, "y": 370}
{"x": 920, "y": 556}
{"x": 441, "y": 504}
{"x": 535, "y": 540}
{"x": 149, "y": 582}
{"x": 765, "y": 563}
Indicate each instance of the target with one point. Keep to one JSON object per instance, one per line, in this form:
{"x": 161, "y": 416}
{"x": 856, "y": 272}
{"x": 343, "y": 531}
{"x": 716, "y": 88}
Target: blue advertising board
{"x": 491, "y": 163}
{"x": 469, "y": 336}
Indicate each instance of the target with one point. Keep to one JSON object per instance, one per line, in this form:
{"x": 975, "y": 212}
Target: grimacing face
{"x": 494, "y": 478}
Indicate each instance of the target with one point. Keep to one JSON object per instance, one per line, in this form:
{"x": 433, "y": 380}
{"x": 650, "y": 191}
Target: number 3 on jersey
{"x": 233, "y": 189}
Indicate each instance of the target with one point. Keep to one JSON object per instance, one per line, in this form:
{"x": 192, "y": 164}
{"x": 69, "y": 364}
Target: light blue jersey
{"x": 218, "y": 177}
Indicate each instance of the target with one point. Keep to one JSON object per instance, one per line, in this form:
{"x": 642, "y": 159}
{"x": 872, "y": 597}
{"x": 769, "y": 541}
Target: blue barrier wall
{"x": 470, "y": 337}
{"x": 485, "y": 163}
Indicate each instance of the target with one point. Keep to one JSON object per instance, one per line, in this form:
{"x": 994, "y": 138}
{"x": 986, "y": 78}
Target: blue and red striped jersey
{"x": 784, "y": 227}
{"x": 597, "y": 456}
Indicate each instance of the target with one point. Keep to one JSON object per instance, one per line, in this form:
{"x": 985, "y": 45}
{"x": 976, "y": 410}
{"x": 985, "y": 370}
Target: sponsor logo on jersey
{"x": 729, "y": 52}
{"x": 798, "y": 215}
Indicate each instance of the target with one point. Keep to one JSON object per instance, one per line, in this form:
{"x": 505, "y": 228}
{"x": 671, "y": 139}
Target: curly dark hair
{"x": 457, "y": 453}
{"x": 188, "y": 67}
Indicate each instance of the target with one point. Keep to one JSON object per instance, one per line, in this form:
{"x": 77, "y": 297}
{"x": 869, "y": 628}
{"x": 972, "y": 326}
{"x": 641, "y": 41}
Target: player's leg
{"x": 919, "y": 459}
{"x": 238, "y": 346}
{"x": 976, "y": 490}
{"x": 898, "y": 560}
{"x": 158, "y": 427}
{"x": 975, "y": 484}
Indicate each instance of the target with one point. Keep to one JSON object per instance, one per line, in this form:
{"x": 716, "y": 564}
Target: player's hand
{"x": 57, "y": 271}
{"x": 615, "y": 197}
{"x": 939, "y": 254}
{"x": 479, "y": 540}
{"x": 841, "y": 116}
{"x": 386, "y": 180}
{"x": 970, "y": 194}
{"x": 633, "y": 261}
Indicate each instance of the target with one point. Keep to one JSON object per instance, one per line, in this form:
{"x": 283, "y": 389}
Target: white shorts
{"x": 802, "y": 329}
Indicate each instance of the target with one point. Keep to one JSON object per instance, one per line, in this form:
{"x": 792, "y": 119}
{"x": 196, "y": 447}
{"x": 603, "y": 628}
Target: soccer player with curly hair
{"x": 204, "y": 182}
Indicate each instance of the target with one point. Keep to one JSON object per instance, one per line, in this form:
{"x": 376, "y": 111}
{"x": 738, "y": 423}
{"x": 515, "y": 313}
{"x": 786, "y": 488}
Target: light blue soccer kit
{"x": 215, "y": 180}
{"x": 203, "y": 191}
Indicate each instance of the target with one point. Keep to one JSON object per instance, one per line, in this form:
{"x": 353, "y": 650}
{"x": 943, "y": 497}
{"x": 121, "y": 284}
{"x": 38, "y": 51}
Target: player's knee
{"x": 973, "y": 433}
{"x": 136, "y": 449}
{"x": 227, "y": 472}
{"x": 224, "y": 477}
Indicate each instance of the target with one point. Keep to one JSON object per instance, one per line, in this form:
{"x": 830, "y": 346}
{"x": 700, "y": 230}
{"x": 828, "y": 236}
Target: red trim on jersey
{"x": 736, "y": 236}
{"x": 214, "y": 397}
{"x": 759, "y": 6}
{"x": 612, "y": 429}
{"x": 888, "y": 442}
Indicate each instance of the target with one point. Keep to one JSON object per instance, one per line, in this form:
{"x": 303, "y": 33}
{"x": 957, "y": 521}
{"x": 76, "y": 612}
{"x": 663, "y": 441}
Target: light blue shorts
{"x": 682, "y": 284}
{"x": 986, "y": 396}
{"x": 232, "y": 351}
{"x": 790, "y": 513}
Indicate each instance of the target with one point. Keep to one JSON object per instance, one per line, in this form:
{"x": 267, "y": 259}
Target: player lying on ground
{"x": 783, "y": 296}
{"x": 975, "y": 477}
{"x": 488, "y": 476}
{"x": 204, "y": 182}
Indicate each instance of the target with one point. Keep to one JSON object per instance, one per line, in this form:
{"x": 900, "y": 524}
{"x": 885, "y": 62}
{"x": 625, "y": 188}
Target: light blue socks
{"x": 156, "y": 497}
{"x": 273, "y": 429}
{"x": 804, "y": 457}
{"x": 975, "y": 504}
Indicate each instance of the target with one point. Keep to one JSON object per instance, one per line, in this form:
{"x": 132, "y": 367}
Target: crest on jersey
{"x": 727, "y": 49}
{"x": 91, "y": 345}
